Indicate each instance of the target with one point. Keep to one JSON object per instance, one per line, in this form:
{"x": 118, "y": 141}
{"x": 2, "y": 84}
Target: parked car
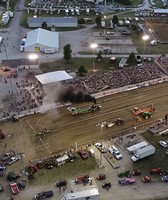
{"x": 101, "y": 177}
{"x": 127, "y": 181}
{"x": 1, "y": 188}
{"x": 163, "y": 144}
{"x": 164, "y": 179}
{"x": 106, "y": 185}
{"x": 14, "y": 187}
{"x": 61, "y": 183}
{"x": 21, "y": 185}
{"x": 83, "y": 154}
{"x": 146, "y": 179}
{"x": 44, "y": 195}
{"x": 136, "y": 172}
{"x": 124, "y": 174}
{"x": 158, "y": 171}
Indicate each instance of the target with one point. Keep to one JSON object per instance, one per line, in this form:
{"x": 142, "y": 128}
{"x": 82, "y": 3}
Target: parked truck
{"x": 83, "y": 195}
{"x": 137, "y": 146}
{"x": 143, "y": 153}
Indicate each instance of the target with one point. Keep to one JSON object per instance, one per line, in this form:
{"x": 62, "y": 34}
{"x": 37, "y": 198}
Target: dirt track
{"x": 67, "y": 129}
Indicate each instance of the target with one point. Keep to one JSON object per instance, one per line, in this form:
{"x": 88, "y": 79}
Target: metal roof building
{"x": 40, "y": 40}
{"x": 52, "y": 77}
{"x": 52, "y": 22}
{"x": 160, "y": 11}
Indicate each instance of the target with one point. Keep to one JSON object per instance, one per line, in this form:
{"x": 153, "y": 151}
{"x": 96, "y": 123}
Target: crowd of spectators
{"x": 163, "y": 61}
{"x": 27, "y": 96}
{"x": 96, "y": 82}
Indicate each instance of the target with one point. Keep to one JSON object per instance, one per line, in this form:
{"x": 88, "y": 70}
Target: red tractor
{"x": 146, "y": 179}
{"x": 158, "y": 171}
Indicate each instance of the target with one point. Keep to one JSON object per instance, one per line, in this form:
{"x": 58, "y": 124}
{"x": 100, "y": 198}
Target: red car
{"x": 14, "y": 187}
{"x": 83, "y": 154}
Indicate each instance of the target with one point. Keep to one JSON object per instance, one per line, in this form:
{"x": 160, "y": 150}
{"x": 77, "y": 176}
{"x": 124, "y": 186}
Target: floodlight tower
{"x": 113, "y": 4}
{"x": 104, "y": 7}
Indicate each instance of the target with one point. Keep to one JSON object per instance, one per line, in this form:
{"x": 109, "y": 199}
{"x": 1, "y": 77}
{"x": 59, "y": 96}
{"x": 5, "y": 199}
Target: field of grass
{"x": 75, "y": 63}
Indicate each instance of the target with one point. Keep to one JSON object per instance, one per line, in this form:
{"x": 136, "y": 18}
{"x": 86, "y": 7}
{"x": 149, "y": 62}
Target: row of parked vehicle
{"x": 111, "y": 149}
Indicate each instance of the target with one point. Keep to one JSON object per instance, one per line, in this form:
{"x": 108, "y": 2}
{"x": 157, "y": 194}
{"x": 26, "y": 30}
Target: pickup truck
{"x": 43, "y": 195}
{"x": 2, "y": 170}
{"x": 14, "y": 187}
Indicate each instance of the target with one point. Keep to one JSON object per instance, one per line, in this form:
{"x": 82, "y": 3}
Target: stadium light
{"x": 93, "y": 47}
{"x": 145, "y": 38}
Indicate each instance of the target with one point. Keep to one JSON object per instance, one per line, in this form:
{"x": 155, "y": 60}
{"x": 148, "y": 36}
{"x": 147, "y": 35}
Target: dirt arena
{"x": 160, "y": 29}
{"x": 67, "y": 129}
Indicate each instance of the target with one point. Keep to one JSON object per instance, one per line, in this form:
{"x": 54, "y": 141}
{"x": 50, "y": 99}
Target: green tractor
{"x": 147, "y": 115}
{"x": 125, "y": 174}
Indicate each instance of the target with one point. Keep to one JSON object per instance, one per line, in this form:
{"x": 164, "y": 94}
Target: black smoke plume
{"x": 69, "y": 94}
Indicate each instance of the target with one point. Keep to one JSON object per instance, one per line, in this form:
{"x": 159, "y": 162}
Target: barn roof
{"x": 43, "y": 37}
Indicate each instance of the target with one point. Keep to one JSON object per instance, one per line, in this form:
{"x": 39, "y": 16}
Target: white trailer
{"x": 91, "y": 194}
{"x": 61, "y": 161}
{"x": 143, "y": 153}
{"x": 137, "y": 146}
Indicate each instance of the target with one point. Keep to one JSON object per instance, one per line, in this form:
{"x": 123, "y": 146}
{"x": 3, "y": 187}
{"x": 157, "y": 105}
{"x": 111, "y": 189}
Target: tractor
{"x": 119, "y": 121}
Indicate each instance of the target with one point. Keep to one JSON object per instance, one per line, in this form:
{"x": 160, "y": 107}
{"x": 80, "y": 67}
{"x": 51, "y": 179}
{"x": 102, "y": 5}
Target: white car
{"x": 163, "y": 143}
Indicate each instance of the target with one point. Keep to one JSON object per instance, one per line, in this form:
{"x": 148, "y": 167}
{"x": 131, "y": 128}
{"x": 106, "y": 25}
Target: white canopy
{"x": 52, "y": 77}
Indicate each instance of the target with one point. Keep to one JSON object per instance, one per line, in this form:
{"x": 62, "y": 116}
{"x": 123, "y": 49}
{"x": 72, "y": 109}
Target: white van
{"x": 91, "y": 152}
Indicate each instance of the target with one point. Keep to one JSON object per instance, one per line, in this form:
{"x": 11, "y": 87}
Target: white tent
{"x": 52, "y": 77}
{"x": 39, "y": 40}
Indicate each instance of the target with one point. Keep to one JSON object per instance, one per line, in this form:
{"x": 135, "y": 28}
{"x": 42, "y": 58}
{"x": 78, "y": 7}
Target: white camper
{"x": 92, "y": 194}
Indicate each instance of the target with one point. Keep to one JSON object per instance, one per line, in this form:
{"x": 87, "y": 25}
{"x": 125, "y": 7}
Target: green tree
{"x": 44, "y": 24}
{"x": 131, "y": 59}
{"x": 98, "y": 20}
{"x": 81, "y": 21}
{"x": 82, "y": 71}
{"x": 115, "y": 20}
{"x": 67, "y": 52}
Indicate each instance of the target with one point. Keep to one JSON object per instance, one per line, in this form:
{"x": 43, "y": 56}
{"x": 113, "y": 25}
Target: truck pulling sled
{"x": 78, "y": 111}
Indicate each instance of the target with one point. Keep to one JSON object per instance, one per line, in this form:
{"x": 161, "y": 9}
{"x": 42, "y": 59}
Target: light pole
{"x": 145, "y": 38}
{"x": 33, "y": 57}
{"x": 101, "y": 156}
{"x": 93, "y": 47}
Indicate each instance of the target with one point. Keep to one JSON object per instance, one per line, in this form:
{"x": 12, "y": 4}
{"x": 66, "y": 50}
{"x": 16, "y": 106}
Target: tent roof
{"x": 52, "y": 77}
{"x": 43, "y": 37}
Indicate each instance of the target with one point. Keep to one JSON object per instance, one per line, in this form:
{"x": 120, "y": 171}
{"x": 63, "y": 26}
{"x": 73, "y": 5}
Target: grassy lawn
{"x": 157, "y": 160}
{"x": 75, "y": 63}
{"x": 76, "y": 168}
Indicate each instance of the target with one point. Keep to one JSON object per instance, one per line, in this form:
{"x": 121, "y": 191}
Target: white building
{"x": 40, "y": 40}
{"x": 37, "y": 22}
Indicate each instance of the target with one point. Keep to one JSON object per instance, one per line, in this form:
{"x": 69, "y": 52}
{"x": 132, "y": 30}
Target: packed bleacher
{"x": 95, "y": 82}
{"x": 163, "y": 61}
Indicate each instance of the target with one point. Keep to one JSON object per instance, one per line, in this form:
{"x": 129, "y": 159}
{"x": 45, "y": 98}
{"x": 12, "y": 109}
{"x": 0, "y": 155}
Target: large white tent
{"x": 52, "y": 77}
{"x": 40, "y": 40}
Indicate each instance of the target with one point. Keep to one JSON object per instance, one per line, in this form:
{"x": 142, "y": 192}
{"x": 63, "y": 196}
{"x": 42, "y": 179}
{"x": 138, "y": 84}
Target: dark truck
{"x": 43, "y": 195}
